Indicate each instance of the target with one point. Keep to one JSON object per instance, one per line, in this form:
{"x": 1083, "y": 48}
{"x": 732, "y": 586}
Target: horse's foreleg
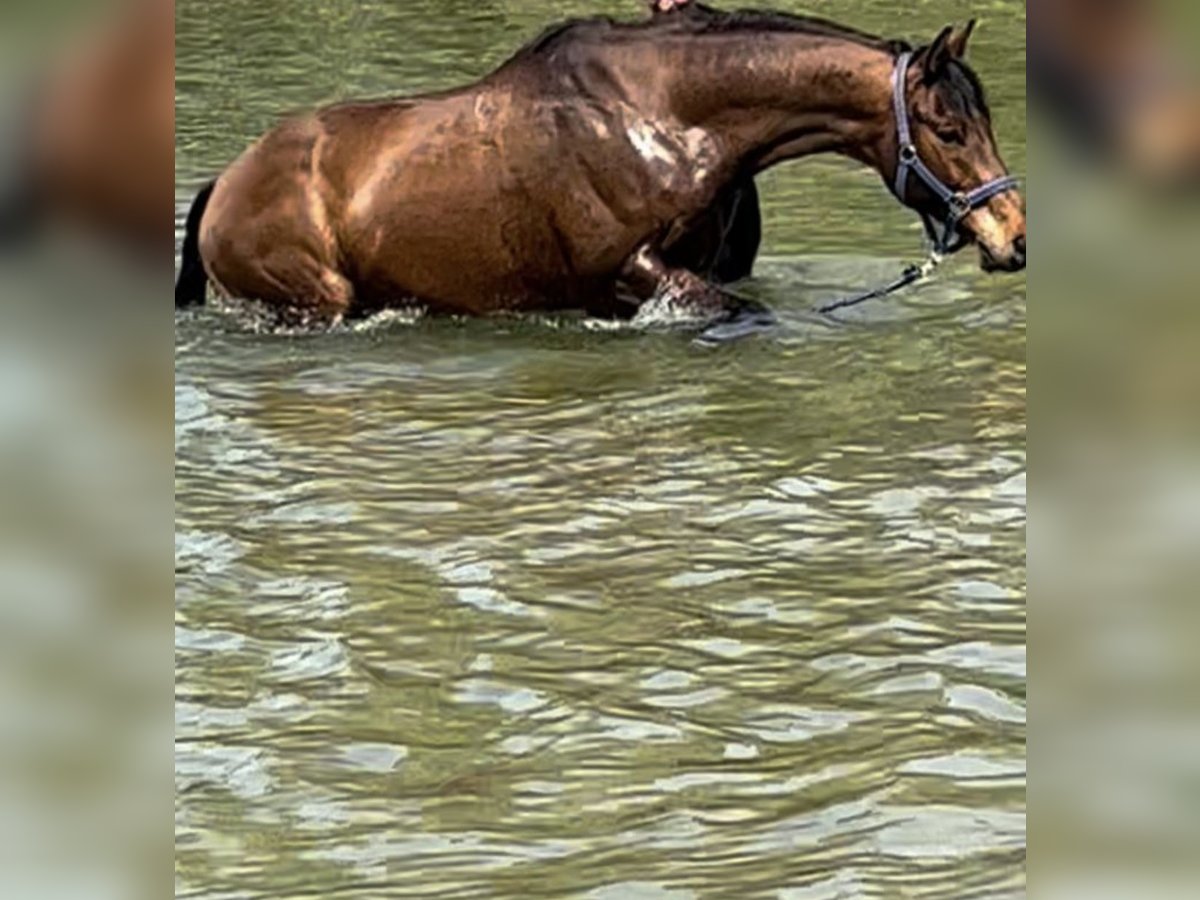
{"x": 673, "y": 296}
{"x": 682, "y": 294}
{"x": 723, "y": 244}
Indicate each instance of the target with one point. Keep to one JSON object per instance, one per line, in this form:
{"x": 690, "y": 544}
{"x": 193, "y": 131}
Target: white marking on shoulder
{"x": 650, "y": 144}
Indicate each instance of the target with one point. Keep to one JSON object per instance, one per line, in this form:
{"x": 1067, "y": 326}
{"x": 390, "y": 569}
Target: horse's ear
{"x": 951, "y": 44}
{"x": 958, "y": 40}
{"x": 938, "y": 55}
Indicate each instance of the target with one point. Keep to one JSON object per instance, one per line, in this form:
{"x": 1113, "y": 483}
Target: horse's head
{"x": 951, "y": 130}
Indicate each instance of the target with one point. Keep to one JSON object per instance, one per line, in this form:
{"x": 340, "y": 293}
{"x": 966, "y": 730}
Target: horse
{"x": 566, "y": 177}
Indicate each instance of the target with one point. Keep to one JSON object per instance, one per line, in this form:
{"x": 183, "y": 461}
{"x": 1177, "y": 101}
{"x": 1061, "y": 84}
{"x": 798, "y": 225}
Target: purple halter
{"x": 959, "y": 204}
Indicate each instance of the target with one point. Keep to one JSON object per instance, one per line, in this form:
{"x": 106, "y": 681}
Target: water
{"x": 519, "y": 608}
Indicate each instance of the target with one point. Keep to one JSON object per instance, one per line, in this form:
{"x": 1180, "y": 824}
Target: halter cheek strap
{"x": 959, "y": 204}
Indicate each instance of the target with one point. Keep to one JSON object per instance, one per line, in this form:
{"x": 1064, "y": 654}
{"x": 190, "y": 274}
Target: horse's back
{"x": 442, "y": 203}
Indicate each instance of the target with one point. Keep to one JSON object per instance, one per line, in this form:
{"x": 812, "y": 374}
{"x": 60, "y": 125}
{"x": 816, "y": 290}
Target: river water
{"x": 518, "y": 609}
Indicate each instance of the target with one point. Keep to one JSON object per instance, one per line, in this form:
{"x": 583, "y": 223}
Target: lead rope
{"x": 914, "y": 273}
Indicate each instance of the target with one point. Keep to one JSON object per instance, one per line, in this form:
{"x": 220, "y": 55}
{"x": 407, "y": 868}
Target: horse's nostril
{"x": 1019, "y": 246}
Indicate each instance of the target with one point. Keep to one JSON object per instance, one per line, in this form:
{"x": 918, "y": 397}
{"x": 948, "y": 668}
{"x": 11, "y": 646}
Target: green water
{"x": 515, "y": 609}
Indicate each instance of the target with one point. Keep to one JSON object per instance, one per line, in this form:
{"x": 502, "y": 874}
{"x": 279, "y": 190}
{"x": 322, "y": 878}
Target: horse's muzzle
{"x": 1011, "y": 259}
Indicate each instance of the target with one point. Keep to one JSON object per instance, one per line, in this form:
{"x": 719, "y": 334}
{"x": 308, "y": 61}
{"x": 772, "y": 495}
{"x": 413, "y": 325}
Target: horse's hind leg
{"x": 677, "y": 296}
{"x": 296, "y": 285}
{"x": 333, "y": 297}
{"x": 307, "y": 290}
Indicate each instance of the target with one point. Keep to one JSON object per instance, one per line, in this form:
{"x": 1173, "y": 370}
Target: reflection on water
{"x": 527, "y": 609}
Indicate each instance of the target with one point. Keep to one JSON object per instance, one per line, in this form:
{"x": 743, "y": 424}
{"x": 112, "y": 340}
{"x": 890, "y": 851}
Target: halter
{"x": 959, "y": 204}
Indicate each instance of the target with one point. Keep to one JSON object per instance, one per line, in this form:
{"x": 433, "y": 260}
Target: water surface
{"x": 518, "y": 608}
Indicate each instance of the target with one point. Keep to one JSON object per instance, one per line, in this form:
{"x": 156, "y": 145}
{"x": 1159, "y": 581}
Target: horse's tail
{"x": 189, "y": 289}
{"x": 20, "y": 206}
{"x": 18, "y": 211}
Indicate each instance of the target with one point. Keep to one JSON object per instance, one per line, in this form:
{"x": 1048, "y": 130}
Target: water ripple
{"x": 543, "y": 609}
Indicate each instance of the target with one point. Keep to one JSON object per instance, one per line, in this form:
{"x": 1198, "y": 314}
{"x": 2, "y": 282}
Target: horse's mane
{"x": 964, "y": 83}
{"x": 768, "y": 20}
{"x": 698, "y": 19}
{"x": 701, "y": 20}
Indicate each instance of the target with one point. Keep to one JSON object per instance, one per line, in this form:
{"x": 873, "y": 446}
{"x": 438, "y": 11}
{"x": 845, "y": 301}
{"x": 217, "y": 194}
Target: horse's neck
{"x": 788, "y": 96}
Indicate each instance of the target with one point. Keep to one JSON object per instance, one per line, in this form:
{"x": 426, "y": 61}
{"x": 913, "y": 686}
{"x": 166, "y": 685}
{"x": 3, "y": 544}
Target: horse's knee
{"x": 305, "y": 287}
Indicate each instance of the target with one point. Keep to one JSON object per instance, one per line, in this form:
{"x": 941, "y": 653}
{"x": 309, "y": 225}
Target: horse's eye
{"x": 951, "y": 136}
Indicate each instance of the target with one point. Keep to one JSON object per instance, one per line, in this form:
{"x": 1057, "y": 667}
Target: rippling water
{"x": 519, "y": 608}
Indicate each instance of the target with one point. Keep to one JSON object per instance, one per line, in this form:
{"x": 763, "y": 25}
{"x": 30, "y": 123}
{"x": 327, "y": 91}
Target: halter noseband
{"x": 959, "y": 204}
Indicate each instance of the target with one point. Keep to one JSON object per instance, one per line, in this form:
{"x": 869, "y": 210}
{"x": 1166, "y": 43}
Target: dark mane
{"x": 702, "y": 20}
{"x": 961, "y": 86}
{"x": 773, "y": 21}
{"x": 963, "y": 82}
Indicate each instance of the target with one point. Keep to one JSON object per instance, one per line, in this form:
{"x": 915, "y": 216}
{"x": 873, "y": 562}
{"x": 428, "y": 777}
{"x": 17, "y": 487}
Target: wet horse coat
{"x": 723, "y": 245}
{"x": 566, "y": 177}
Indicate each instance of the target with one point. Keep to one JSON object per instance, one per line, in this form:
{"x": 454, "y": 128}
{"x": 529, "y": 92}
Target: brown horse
{"x": 565, "y": 178}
